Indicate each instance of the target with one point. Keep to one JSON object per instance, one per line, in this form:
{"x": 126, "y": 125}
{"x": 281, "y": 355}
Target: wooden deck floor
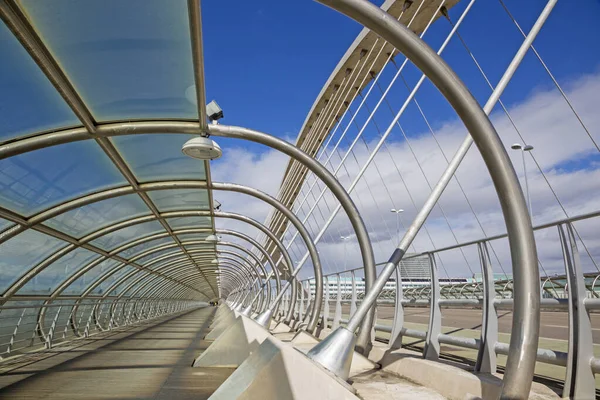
{"x": 142, "y": 362}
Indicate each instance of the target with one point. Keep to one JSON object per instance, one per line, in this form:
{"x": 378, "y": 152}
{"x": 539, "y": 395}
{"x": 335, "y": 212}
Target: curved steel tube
{"x": 525, "y": 329}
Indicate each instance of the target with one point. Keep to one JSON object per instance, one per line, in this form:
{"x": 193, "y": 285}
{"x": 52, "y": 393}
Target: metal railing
{"x": 574, "y": 292}
{"x": 27, "y": 326}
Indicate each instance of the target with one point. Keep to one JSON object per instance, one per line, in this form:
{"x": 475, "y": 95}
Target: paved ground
{"x": 144, "y": 362}
{"x": 554, "y": 325}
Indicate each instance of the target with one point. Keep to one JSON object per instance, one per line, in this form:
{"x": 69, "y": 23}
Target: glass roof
{"x": 21, "y": 77}
{"x": 159, "y": 157}
{"x": 116, "y": 70}
{"x": 110, "y": 61}
{"x": 34, "y": 181}
{"x": 87, "y": 219}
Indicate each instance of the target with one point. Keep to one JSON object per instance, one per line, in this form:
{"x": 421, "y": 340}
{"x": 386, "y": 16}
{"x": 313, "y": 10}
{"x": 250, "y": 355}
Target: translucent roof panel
{"x": 85, "y": 280}
{"x": 40, "y": 179}
{"x": 159, "y": 157}
{"x": 180, "y": 199}
{"x": 107, "y": 283}
{"x": 28, "y": 101}
{"x": 125, "y": 235}
{"x": 189, "y": 222}
{"x": 4, "y": 224}
{"x": 133, "y": 251}
{"x": 186, "y": 237}
{"x": 47, "y": 280}
{"x": 114, "y": 50}
{"x": 157, "y": 254}
{"x": 84, "y": 220}
{"x": 22, "y": 252}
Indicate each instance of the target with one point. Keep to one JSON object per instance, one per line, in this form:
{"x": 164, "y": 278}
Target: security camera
{"x": 213, "y": 111}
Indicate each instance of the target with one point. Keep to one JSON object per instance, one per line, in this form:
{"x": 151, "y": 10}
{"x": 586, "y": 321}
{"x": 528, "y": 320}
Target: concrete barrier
{"x": 276, "y": 371}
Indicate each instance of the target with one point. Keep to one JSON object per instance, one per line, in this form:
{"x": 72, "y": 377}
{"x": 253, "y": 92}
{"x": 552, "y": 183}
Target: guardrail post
{"x": 431, "y": 351}
{"x": 326, "y": 305}
{"x": 301, "y": 305}
{"x": 67, "y": 325}
{"x": 86, "y": 331}
{"x": 579, "y": 379}
{"x": 486, "y": 356}
{"x": 337, "y": 316}
{"x": 14, "y": 334}
{"x": 396, "y": 335}
{"x": 353, "y": 297}
{"x": 50, "y": 335}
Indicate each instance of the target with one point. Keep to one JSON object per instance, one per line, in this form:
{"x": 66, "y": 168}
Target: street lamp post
{"x": 398, "y": 212}
{"x": 523, "y": 148}
{"x": 344, "y": 239}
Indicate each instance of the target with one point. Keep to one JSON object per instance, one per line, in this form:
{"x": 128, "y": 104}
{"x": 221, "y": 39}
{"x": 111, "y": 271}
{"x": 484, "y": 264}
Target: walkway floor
{"x": 143, "y": 362}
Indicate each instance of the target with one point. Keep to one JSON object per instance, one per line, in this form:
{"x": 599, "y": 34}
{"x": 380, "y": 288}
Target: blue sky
{"x": 271, "y": 55}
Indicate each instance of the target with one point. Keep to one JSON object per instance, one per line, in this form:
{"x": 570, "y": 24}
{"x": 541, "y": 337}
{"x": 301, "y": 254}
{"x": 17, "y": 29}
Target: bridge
{"x": 433, "y": 233}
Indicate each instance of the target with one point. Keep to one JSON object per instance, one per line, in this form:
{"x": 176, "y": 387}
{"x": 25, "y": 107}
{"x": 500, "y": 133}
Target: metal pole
{"x": 335, "y": 351}
{"x": 368, "y": 258}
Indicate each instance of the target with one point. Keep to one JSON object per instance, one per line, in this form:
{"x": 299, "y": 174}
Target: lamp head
{"x": 202, "y": 148}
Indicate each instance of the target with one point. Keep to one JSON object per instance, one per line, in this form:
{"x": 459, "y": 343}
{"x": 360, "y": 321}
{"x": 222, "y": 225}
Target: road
{"x": 554, "y": 325}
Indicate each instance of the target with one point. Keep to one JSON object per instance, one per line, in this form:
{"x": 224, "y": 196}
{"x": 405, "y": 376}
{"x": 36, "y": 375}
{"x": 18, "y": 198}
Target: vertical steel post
{"x": 50, "y": 335}
{"x": 486, "y": 356}
{"x": 301, "y": 305}
{"x": 14, "y": 334}
{"x": 579, "y": 380}
{"x": 326, "y": 305}
{"x": 337, "y": 316}
{"x": 431, "y": 351}
{"x": 398, "y": 324}
{"x": 353, "y": 296}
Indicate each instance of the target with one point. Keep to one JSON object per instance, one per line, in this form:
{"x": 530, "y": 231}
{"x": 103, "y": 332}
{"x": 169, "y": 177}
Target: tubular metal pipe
{"x": 264, "y": 253}
{"x": 304, "y": 234}
{"x": 345, "y": 200}
{"x": 525, "y": 331}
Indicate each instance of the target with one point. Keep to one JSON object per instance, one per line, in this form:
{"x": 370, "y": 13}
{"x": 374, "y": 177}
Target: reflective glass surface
{"x": 157, "y": 254}
{"x": 4, "y": 224}
{"x": 187, "y": 237}
{"x": 189, "y": 222}
{"x": 47, "y": 280}
{"x": 85, "y": 280}
{"x": 87, "y": 219}
{"x": 128, "y": 59}
{"x": 40, "y": 179}
{"x": 125, "y": 235}
{"x": 180, "y": 199}
{"x": 28, "y": 101}
{"x": 159, "y": 157}
{"x": 19, "y": 254}
{"x": 108, "y": 282}
{"x": 133, "y": 251}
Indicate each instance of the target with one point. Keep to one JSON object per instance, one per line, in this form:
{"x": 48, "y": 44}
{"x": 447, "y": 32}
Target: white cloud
{"x": 543, "y": 119}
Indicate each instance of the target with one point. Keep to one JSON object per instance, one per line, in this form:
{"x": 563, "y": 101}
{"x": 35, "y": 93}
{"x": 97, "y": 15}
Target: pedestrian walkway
{"x": 152, "y": 361}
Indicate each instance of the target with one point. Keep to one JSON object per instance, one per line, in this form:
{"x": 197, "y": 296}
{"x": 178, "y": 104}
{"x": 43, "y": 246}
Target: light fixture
{"x": 202, "y": 148}
{"x": 212, "y": 239}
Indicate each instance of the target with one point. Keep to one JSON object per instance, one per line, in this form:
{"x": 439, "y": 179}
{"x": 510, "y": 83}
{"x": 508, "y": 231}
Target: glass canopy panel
{"x": 4, "y": 224}
{"x": 108, "y": 282}
{"x": 87, "y": 219}
{"x": 159, "y": 157}
{"x": 125, "y": 235}
{"x": 22, "y": 252}
{"x": 189, "y": 222}
{"x": 28, "y": 101}
{"x": 145, "y": 246}
{"x": 47, "y": 280}
{"x": 127, "y": 59}
{"x": 180, "y": 199}
{"x": 156, "y": 254}
{"x": 40, "y": 179}
{"x": 85, "y": 280}
{"x": 188, "y": 237}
